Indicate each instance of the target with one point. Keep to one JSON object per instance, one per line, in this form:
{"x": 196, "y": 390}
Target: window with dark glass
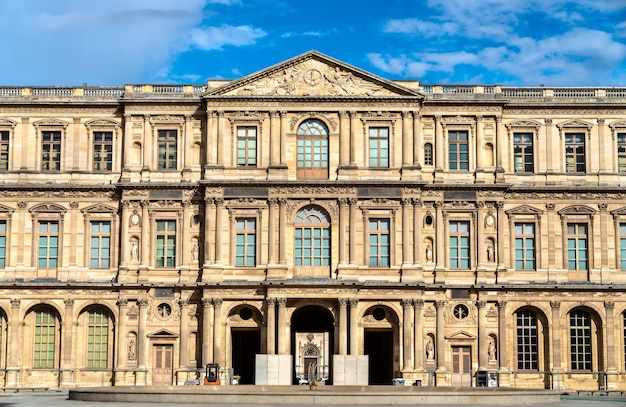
{"x": 458, "y": 150}
{"x": 523, "y": 152}
{"x": 166, "y": 243}
{"x": 379, "y": 242}
{"x": 4, "y": 150}
{"x": 246, "y": 146}
{"x": 574, "y": 152}
{"x": 459, "y": 245}
{"x": 379, "y": 147}
{"x": 245, "y": 250}
{"x": 525, "y": 246}
{"x": 168, "y": 144}
{"x": 428, "y": 154}
{"x": 527, "y": 341}
{"x": 103, "y": 151}
{"x": 50, "y": 150}
{"x": 100, "y": 255}
{"x": 48, "y": 250}
{"x": 580, "y": 340}
{"x": 621, "y": 152}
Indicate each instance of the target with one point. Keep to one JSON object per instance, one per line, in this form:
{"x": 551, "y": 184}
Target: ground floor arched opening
{"x": 312, "y": 344}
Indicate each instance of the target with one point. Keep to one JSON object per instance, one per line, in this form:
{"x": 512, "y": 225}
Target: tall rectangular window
{"x": 4, "y": 150}
{"x": 580, "y": 340}
{"x": 50, "y": 150}
{"x": 379, "y": 147}
{"x": 166, "y": 243}
{"x": 459, "y": 245}
{"x": 574, "y": 152}
{"x": 100, "y": 256}
{"x": 3, "y": 243}
{"x": 523, "y": 152}
{"x": 103, "y": 151}
{"x": 168, "y": 143}
{"x": 48, "y": 245}
{"x": 245, "y": 250}
{"x": 246, "y": 146}
{"x": 379, "y": 243}
{"x": 97, "y": 339}
{"x": 577, "y": 258}
{"x": 621, "y": 152}
{"x": 44, "y": 343}
{"x": 458, "y": 150}
{"x": 525, "y": 246}
{"x": 622, "y": 245}
{"x": 527, "y": 341}
{"x": 428, "y": 154}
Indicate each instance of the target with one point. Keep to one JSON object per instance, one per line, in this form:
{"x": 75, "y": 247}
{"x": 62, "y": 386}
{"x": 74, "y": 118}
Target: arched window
{"x": 45, "y": 339}
{"x": 312, "y": 150}
{"x": 527, "y": 341}
{"x": 428, "y": 154}
{"x": 580, "y": 339}
{"x": 312, "y": 238}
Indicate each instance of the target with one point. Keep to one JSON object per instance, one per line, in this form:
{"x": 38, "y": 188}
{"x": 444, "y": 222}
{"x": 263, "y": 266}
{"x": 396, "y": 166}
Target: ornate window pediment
{"x": 101, "y": 123}
{"x": 48, "y": 208}
{"x": 99, "y": 208}
{"x": 50, "y": 122}
{"x": 575, "y": 124}
{"x": 7, "y": 123}
{"x": 523, "y": 123}
{"x": 461, "y": 335}
{"x": 163, "y": 334}
{"x": 618, "y": 125}
{"x": 576, "y": 210}
{"x": 524, "y": 210}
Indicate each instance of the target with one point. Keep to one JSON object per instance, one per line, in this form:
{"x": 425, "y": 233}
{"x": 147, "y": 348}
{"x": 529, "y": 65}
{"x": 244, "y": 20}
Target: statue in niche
{"x": 430, "y": 350}
{"x": 132, "y": 349}
{"x": 491, "y": 255}
{"x": 429, "y": 253}
{"x": 134, "y": 251}
{"x": 491, "y": 351}
{"x": 195, "y": 250}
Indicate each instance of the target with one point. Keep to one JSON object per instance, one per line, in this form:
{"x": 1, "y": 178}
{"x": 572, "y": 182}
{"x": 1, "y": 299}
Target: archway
{"x": 312, "y": 343}
{"x": 380, "y": 333}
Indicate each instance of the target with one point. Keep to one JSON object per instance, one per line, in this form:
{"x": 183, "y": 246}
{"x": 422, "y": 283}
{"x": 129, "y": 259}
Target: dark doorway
{"x": 379, "y": 347}
{"x": 312, "y": 340}
{"x": 246, "y": 345}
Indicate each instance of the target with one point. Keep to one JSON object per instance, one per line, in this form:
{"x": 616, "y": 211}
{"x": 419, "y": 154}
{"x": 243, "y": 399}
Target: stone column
{"x": 440, "y": 236}
{"x": 274, "y": 139}
{"x": 483, "y": 340}
{"x": 407, "y": 333}
{"x": 407, "y": 150}
{"x": 500, "y": 148}
{"x": 142, "y": 340}
{"x": 271, "y": 230}
{"x": 480, "y": 235}
{"x": 217, "y": 330}
{"x": 124, "y": 252}
{"x": 353, "y": 138}
{"x": 418, "y": 328}
{"x": 551, "y": 150}
{"x": 354, "y": 330}
{"x": 501, "y": 232}
{"x": 144, "y": 256}
{"x": 417, "y": 139}
{"x": 611, "y": 365}
{"x": 147, "y": 143}
{"x": 209, "y": 221}
{"x": 183, "y": 359}
{"x": 555, "y": 334}
{"x": 271, "y": 325}
{"x": 25, "y": 150}
{"x": 352, "y": 230}
{"x": 406, "y": 244}
{"x": 219, "y": 203}
{"x": 122, "y": 346}
{"x": 417, "y": 239}
{"x": 187, "y": 141}
{"x": 221, "y": 133}
{"x": 344, "y": 139}
{"x": 67, "y": 364}
{"x": 480, "y": 139}
{"x": 207, "y": 331}
{"x": 440, "y": 351}
{"x": 209, "y": 154}
{"x": 283, "y": 139}
{"x": 605, "y": 164}
{"x": 343, "y": 326}
{"x": 439, "y": 145}
{"x": 282, "y": 226}
{"x": 503, "y": 353}
{"x": 343, "y": 206}
{"x": 282, "y": 326}
{"x": 14, "y": 346}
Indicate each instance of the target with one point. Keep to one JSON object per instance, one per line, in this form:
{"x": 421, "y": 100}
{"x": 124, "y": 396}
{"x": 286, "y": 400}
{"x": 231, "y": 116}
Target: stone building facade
{"x": 313, "y": 212}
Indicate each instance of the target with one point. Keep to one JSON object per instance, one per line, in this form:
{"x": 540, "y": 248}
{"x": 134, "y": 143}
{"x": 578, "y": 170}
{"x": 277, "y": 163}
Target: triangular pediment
{"x": 313, "y": 74}
{"x": 576, "y": 210}
{"x": 461, "y": 335}
{"x": 524, "y": 210}
{"x": 163, "y": 334}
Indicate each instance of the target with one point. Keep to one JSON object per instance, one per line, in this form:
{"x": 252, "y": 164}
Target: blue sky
{"x": 509, "y": 42}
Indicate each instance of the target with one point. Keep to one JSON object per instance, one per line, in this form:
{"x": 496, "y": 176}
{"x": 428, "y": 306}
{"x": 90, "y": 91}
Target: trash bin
{"x": 398, "y": 382}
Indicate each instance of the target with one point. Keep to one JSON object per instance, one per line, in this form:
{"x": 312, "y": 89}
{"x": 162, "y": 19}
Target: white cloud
{"x": 214, "y": 38}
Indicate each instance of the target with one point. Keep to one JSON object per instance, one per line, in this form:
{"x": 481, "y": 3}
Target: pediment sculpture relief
{"x": 313, "y": 78}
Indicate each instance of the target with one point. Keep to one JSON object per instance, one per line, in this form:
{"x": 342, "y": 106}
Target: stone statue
{"x": 430, "y": 350}
{"x": 491, "y": 255}
{"x": 429, "y": 253}
{"x": 134, "y": 251}
{"x": 132, "y": 349}
{"x": 491, "y": 351}
{"x": 195, "y": 250}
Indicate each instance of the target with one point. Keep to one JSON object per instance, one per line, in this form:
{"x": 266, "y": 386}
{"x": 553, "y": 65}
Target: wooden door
{"x": 461, "y": 366}
{"x": 163, "y": 361}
